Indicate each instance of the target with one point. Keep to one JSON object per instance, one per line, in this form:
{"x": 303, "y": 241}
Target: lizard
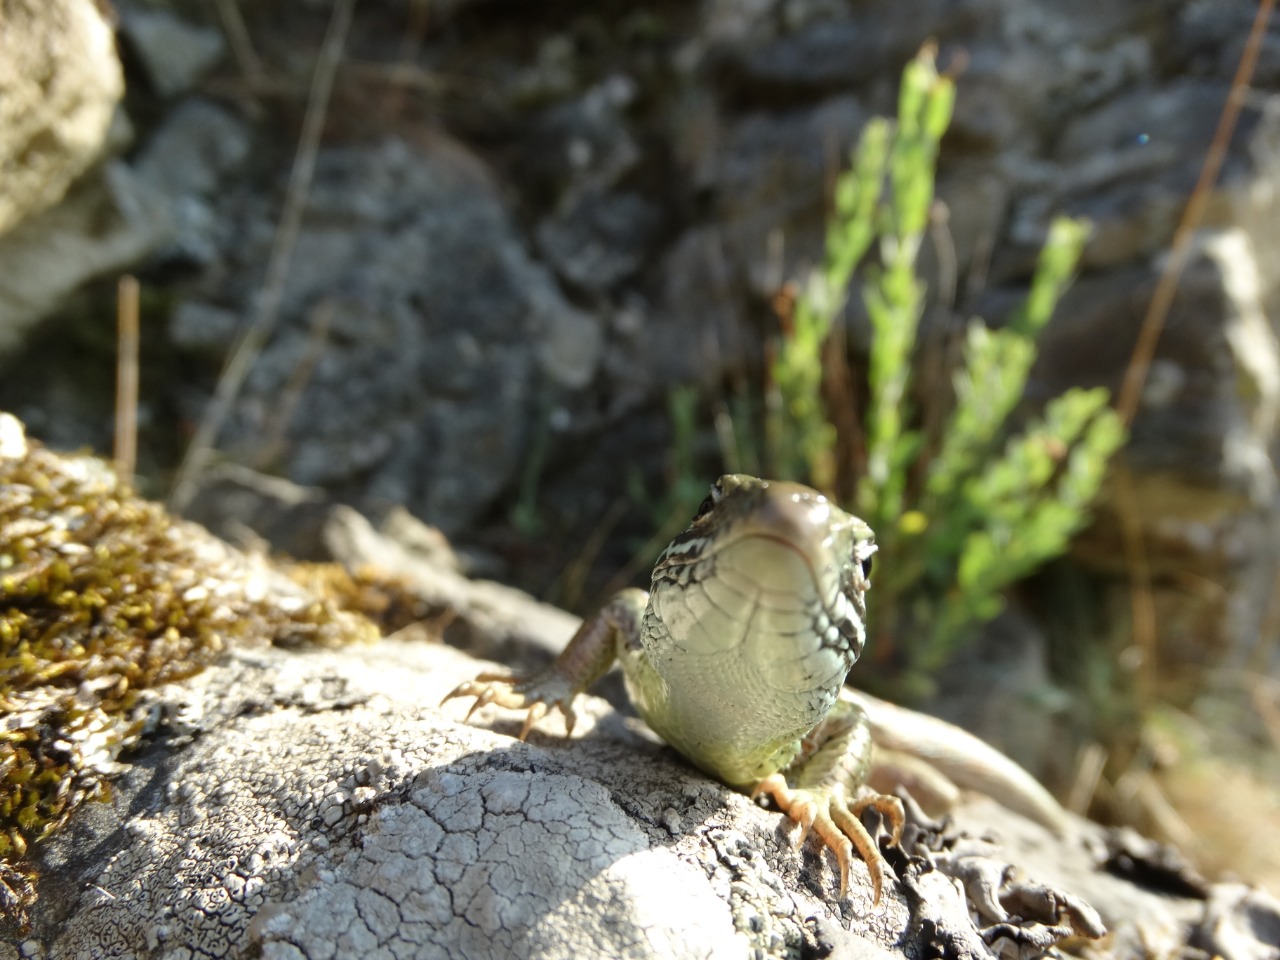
{"x": 737, "y": 657}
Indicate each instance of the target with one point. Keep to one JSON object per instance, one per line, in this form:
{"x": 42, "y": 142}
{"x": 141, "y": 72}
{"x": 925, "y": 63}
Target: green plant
{"x": 964, "y": 511}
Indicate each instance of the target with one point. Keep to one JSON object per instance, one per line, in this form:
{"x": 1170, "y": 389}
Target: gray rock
{"x": 308, "y": 839}
{"x": 816, "y": 47}
{"x": 584, "y": 144}
{"x": 823, "y": 54}
{"x": 770, "y": 187}
{"x": 60, "y": 82}
{"x": 600, "y": 239}
{"x": 184, "y": 162}
{"x": 318, "y": 804}
{"x": 698, "y": 330}
{"x": 202, "y": 327}
{"x": 110, "y": 221}
{"x": 1210, "y": 35}
{"x": 174, "y": 52}
{"x": 417, "y": 335}
{"x": 1143, "y": 152}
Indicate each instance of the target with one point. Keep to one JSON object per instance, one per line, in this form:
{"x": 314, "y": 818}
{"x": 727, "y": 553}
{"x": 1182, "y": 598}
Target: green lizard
{"x": 737, "y": 657}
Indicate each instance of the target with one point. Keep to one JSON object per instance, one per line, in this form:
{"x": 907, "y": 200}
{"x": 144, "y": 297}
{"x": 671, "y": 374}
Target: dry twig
{"x": 255, "y": 337}
{"x": 126, "y": 438}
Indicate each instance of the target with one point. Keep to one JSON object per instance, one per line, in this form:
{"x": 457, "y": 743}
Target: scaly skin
{"x": 737, "y": 656}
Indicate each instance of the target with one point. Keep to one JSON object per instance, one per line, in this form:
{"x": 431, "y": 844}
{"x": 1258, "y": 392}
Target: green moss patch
{"x": 102, "y": 596}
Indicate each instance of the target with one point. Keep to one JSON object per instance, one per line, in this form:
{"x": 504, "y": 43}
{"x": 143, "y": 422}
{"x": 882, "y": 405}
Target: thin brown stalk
{"x": 1167, "y": 286}
{"x": 403, "y": 73}
{"x": 127, "y": 339}
{"x": 1141, "y": 599}
{"x": 237, "y": 34}
{"x": 272, "y": 445}
{"x": 251, "y": 343}
{"x": 1265, "y": 695}
{"x": 1090, "y": 765}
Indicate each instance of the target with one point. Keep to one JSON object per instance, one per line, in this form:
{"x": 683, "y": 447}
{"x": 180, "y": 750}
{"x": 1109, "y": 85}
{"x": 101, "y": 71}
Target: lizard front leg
{"x": 600, "y": 640}
{"x": 822, "y": 790}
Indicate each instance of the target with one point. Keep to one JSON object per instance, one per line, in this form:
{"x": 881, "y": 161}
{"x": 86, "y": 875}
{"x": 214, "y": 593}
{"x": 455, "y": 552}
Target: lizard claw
{"x": 538, "y": 696}
{"x": 838, "y": 826}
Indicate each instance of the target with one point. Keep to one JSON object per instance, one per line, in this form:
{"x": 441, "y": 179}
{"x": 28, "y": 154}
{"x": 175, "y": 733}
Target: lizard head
{"x": 773, "y": 570}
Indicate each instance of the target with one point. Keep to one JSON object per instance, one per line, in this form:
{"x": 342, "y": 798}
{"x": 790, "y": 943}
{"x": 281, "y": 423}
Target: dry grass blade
{"x": 1142, "y": 603}
{"x": 237, "y": 34}
{"x": 1158, "y": 310}
{"x": 276, "y": 428}
{"x": 404, "y": 74}
{"x": 127, "y": 337}
{"x": 251, "y": 343}
{"x": 1090, "y": 765}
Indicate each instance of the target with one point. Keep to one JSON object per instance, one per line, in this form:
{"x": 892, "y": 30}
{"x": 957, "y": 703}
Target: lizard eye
{"x": 866, "y": 567}
{"x": 709, "y": 501}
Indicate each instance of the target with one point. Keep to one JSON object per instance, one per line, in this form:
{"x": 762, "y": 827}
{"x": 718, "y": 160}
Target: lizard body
{"x": 737, "y": 657}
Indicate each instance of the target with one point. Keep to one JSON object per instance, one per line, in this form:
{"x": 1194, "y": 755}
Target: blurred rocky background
{"x": 529, "y": 223}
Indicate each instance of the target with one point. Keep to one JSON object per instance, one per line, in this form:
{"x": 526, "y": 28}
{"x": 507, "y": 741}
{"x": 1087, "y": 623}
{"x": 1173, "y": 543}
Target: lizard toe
{"x": 537, "y": 711}
{"x": 538, "y": 696}
{"x": 837, "y": 825}
{"x": 855, "y": 835}
{"x": 890, "y": 810}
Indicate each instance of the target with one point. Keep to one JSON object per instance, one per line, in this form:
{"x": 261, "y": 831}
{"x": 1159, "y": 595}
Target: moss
{"x": 104, "y": 595}
{"x": 390, "y": 601}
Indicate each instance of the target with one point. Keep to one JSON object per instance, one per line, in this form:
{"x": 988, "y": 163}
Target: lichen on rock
{"x": 103, "y": 596}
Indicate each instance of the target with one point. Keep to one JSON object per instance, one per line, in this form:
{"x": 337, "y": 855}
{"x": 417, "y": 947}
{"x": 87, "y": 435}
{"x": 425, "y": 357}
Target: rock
{"x": 201, "y": 327}
{"x": 253, "y": 510}
{"x": 584, "y": 145}
{"x": 1209, "y": 37}
{"x": 698, "y": 330}
{"x": 826, "y": 54}
{"x": 469, "y": 316}
{"x": 489, "y": 619}
{"x": 185, "y": 161}
{"x": 317, "y": 802}
{"x": 771, "y": 187}
{"x": 175, "y": 53}
{"x": 352, "y": 816}
{"x": 110, "y": 221}
{"x": 1240, "y": 922}
{"x": 1000, "y": 689}
{"x": 375, "y": 834}
{"x": 818, "y": 48}
{"x": 600, "y": 240}
{"x": 416, "y": 336}
{"x": 118, "y": 214}
{"x": 1140, "y": 152}
{"x": 1202, "y": 480}
{"x": 60, "y": 82}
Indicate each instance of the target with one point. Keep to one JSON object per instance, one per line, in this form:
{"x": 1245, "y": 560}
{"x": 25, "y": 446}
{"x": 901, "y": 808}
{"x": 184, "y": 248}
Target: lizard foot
{"x": 837, "y": 824}
{"x": 539, "y": 695}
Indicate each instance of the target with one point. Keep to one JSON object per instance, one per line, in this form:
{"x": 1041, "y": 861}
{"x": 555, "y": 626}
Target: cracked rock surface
{"x": 318, "y": 804}
{"x": 336, "y": 813}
